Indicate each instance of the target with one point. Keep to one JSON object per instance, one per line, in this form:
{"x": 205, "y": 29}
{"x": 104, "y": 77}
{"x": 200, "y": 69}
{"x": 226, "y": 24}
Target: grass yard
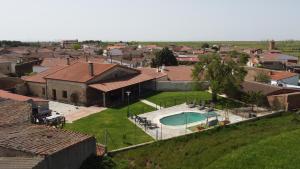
{"x": 121, "y": 132}
{"x": 266, "y": 143}
{"x": 168, "y": 99}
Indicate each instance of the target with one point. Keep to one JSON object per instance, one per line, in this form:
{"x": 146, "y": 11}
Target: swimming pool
{"x": 185, "y": 118}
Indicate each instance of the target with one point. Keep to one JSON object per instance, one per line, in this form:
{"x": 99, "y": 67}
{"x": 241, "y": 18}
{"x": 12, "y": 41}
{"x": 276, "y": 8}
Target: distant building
{"x": 276, "y": 60}
{"x": 67, "y": 44}
{"x": 272, "y": 45}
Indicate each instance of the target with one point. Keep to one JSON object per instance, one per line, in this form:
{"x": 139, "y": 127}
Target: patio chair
{"x": 213, "y": 123}
{"x": 153, "y": 126}
{"x": 192, "y": 105}
{"x": 202, "y": 106}
{"x": 142, "y": 120}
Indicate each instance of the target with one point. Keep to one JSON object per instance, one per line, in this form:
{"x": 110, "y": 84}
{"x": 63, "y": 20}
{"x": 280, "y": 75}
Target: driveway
{"x": 72, "y": 112}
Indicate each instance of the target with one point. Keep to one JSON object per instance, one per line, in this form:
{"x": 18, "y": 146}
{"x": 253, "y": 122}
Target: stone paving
{"x": 72, "y": 112}
{"x": 165, "y": 131}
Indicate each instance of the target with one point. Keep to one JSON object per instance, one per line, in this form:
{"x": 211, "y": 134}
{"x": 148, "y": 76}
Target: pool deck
{"x": 166, "y": 132}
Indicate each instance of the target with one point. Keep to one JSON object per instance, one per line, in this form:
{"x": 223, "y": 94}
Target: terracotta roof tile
{"x": 120, "y": 83}
{"x": 152, "y": 72}
{"x": 7, "y": 95}
{"x": 40, "y": 77}
{"x": 179, "y": 73}
{"x": 78, "y": 72}
{"x": 281, "y": 75}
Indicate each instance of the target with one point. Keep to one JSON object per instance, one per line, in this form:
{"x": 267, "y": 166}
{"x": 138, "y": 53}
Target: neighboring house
{"x": 18, "y": 67}
{"x": 276, "y": 60}
{"x": 115, "y": 53}
{"x": 25, "y": 145}
{"x": 284, "y": 78}
{"x": 36, "y": 102}
{"x": 266, "y": 89}
{"x": 183, "y": 59}
{"x": 175, "y": 78}
{"x": 6, "y": 67}
{"x": 90, "y": 83}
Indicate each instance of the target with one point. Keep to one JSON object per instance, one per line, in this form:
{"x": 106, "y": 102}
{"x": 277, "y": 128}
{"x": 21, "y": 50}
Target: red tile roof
{"x": 53, "y": 62}
{"x": 188, "y": 59}
{"x": 38, "y": 139}
{"x": 79, "y": 72}
{"x": 120, "y": 83}
{"x": 40, "y": 77}
{"x": 179, "y": 73}
{"x": 7, "y": 95}
{"x": 281, "y": 75}
{"x": 152, "y": 72}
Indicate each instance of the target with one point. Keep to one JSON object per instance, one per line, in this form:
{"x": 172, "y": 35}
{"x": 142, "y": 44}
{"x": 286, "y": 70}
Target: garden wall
{"x": 180, "y": 85}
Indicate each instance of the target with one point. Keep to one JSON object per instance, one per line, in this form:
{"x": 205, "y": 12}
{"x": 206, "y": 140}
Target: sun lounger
{"x": 153, "y": 126}
{"x": 192, "y": 105}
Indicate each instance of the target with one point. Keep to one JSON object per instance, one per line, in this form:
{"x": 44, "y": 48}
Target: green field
{"x": 168, "y": 99}
{"x": 287, "y": 47}
{"x": 121, "y": 132}
{"x": 267, "y": 143}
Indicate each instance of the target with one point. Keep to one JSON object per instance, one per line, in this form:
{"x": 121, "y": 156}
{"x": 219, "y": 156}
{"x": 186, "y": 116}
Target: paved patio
{"x": 165, "y": 131}
{"x": 72, "y": 112}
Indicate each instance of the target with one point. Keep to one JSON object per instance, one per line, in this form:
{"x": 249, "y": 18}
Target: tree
{"x": 262, "y": 77}
{"x": 164, "y": 57}
{"x": 205, "y": 45}
{"x": 242, "y": 58}
{"x": 76, "y": 46}
{"x": 221, "y": 75}
{"x": 254, "y": 98}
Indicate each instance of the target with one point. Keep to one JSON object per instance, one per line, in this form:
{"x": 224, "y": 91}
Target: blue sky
{"x": 149, "y": 20}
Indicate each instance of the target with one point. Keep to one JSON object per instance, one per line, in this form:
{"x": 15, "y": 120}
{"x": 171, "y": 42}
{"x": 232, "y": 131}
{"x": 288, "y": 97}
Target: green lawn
{"x": 168, "y": 99}
{"x": 121, "y": 132}
{"x": 267, "y": 143}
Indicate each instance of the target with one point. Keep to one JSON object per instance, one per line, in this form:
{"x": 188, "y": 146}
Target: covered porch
{"x": 118, "y": 92}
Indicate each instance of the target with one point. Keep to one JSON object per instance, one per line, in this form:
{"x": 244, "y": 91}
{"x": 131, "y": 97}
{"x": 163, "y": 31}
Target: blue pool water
{"x": 185, "y": 118}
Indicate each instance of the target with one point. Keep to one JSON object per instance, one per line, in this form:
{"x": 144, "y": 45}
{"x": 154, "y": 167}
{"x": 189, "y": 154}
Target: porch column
{"x": 104, "y": 99}
{"x": 139, "y": 89}
{"x": 123, "y": 95}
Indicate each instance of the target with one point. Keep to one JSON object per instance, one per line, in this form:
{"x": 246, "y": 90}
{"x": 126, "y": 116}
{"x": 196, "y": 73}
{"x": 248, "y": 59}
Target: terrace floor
{"x": 72, "y": 112}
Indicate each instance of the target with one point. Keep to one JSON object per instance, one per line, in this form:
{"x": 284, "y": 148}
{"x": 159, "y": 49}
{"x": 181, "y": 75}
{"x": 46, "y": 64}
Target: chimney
{"x": 86, "y": 57}
{"x": 68, "y": 61}
{"x": 91, "y": 69}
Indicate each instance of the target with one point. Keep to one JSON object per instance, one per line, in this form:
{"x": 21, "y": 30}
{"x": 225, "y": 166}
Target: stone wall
{"x": 290, "y": 101}
{"x": 36, "y": 89}
{"x": 72, "y": 157}
{"x": 5, "y": 68}
{"x": 179, "y": 86}
{"x": 78, "y": 89}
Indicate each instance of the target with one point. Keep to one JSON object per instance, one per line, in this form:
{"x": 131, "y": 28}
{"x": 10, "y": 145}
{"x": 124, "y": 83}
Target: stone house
{"x": 89, "y": 83}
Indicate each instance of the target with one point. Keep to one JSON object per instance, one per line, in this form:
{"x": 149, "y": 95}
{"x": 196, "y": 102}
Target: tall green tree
{"x": 221, "y": 75}
{"x": 164, "y": 57}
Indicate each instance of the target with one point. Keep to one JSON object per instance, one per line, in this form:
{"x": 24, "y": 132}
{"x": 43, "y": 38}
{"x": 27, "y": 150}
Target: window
{"x": 65, "y": 94}
{"x": 44, "y": 91}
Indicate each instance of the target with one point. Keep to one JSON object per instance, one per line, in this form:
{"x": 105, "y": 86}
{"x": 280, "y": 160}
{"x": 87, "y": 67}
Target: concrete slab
{"x": 72, "y": 112}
